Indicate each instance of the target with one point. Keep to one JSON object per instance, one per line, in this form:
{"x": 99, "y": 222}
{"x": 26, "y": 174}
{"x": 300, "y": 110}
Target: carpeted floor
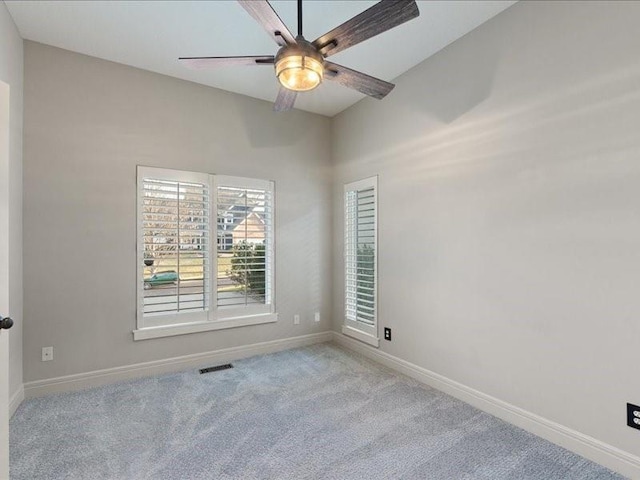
{"x": 311, "y": 413}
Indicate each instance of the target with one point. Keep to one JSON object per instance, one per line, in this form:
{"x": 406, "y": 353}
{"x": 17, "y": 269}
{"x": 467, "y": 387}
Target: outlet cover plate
{"x": 47, "y": 354}
{"x": 633, "y": 416}
{"x": 387, "y": 333}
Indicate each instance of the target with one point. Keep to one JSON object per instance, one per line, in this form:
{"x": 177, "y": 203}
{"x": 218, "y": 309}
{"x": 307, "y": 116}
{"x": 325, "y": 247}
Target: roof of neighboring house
{"x": 239, "y": 215}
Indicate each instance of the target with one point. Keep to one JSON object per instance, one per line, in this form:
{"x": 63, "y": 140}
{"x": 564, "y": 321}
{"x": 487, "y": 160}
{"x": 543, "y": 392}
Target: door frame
{"x": 4, "y": 276}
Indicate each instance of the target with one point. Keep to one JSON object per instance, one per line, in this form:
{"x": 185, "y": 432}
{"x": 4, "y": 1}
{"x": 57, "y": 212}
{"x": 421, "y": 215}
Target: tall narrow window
{"x": 244, "y": 280}
{"x": 360, "y": 260}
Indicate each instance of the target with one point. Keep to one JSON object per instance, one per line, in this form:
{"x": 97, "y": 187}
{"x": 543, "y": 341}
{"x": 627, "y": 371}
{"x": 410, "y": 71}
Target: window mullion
{"x": 246, "y": 252}
{"x": 178, "y": 248}
{"x": 214, "y": 246}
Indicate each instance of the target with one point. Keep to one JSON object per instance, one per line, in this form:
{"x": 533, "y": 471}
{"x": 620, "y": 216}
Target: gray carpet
{"x": 311, "y": 413}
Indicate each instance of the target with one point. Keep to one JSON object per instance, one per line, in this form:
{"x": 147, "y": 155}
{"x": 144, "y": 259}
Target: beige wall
{"x": 88, "y": 123}
{"x": 509, "y": 211}
{"x": 11, "y": 73}
{"x": 508, "y": 195}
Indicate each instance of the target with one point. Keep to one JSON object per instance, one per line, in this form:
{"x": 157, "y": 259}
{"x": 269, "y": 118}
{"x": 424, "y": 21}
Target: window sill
{"x": 186, "y": 328}
{"x": 363, "y": 337}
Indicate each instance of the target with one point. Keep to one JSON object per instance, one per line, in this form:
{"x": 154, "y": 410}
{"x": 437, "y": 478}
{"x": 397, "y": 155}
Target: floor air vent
{"x": 216, "y": 368}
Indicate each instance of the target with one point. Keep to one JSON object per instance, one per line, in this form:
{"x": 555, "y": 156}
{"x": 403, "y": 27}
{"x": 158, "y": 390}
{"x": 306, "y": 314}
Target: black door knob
{"x": 6, "y": 323}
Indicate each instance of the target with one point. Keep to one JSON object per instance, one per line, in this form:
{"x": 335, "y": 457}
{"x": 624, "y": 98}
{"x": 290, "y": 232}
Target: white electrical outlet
{"x": 296, "y": 319}
{"x": 317, "y": 317}
{"x": 47, "y": 354}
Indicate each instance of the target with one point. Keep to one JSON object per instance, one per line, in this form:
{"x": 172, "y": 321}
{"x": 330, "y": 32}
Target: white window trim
{"x": 164, "y": 325}
{"x": 206, "y": 326}
{"x": 360, "y": 335}
{"x": 358, "y": 330}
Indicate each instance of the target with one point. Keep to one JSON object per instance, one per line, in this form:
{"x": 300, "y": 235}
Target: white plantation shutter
{"x": 360, "y": 251}
{"x": 244, "y": 280}
{"x": 205, "y": 257}
{"x": 173, "y": 247}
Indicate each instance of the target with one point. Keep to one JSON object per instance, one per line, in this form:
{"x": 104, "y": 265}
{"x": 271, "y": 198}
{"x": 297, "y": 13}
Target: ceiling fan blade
{"x": 374, "y": 87}
{"x": 266, "y": 16}
{"x": 212, "y": 62}
{"x": 285, "y": 100}
{"x": 381, "y": 17}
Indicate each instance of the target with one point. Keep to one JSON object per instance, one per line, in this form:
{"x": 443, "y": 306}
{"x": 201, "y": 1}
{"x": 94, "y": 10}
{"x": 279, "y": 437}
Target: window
{"x": 245, "y": 245}
{"x": 187, "y": 282}
{"x": 360, "y": 260}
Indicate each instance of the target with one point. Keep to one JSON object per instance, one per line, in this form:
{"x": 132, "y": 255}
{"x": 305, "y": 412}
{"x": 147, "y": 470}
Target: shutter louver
{"x": 175, "y": 236}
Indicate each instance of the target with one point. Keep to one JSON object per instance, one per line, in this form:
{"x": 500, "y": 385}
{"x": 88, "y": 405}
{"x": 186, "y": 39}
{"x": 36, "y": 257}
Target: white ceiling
{"x": 153, "y": 34}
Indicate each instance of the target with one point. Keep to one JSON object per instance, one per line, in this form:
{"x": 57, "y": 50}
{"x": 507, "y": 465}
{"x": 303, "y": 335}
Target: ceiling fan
{"x": 301, "y": 65}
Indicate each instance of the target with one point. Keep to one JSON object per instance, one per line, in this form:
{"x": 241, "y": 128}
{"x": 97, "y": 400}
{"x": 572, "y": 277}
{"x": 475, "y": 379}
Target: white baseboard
{"x": 611, "y": 457}
{"x": 15, "y": 400}
{"x": 107, "y": 376}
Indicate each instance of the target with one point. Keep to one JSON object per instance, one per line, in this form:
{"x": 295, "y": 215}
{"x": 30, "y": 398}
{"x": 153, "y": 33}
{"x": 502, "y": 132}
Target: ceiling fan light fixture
{"x": 299, "y": 73}
{"x": 299, "y": 67}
